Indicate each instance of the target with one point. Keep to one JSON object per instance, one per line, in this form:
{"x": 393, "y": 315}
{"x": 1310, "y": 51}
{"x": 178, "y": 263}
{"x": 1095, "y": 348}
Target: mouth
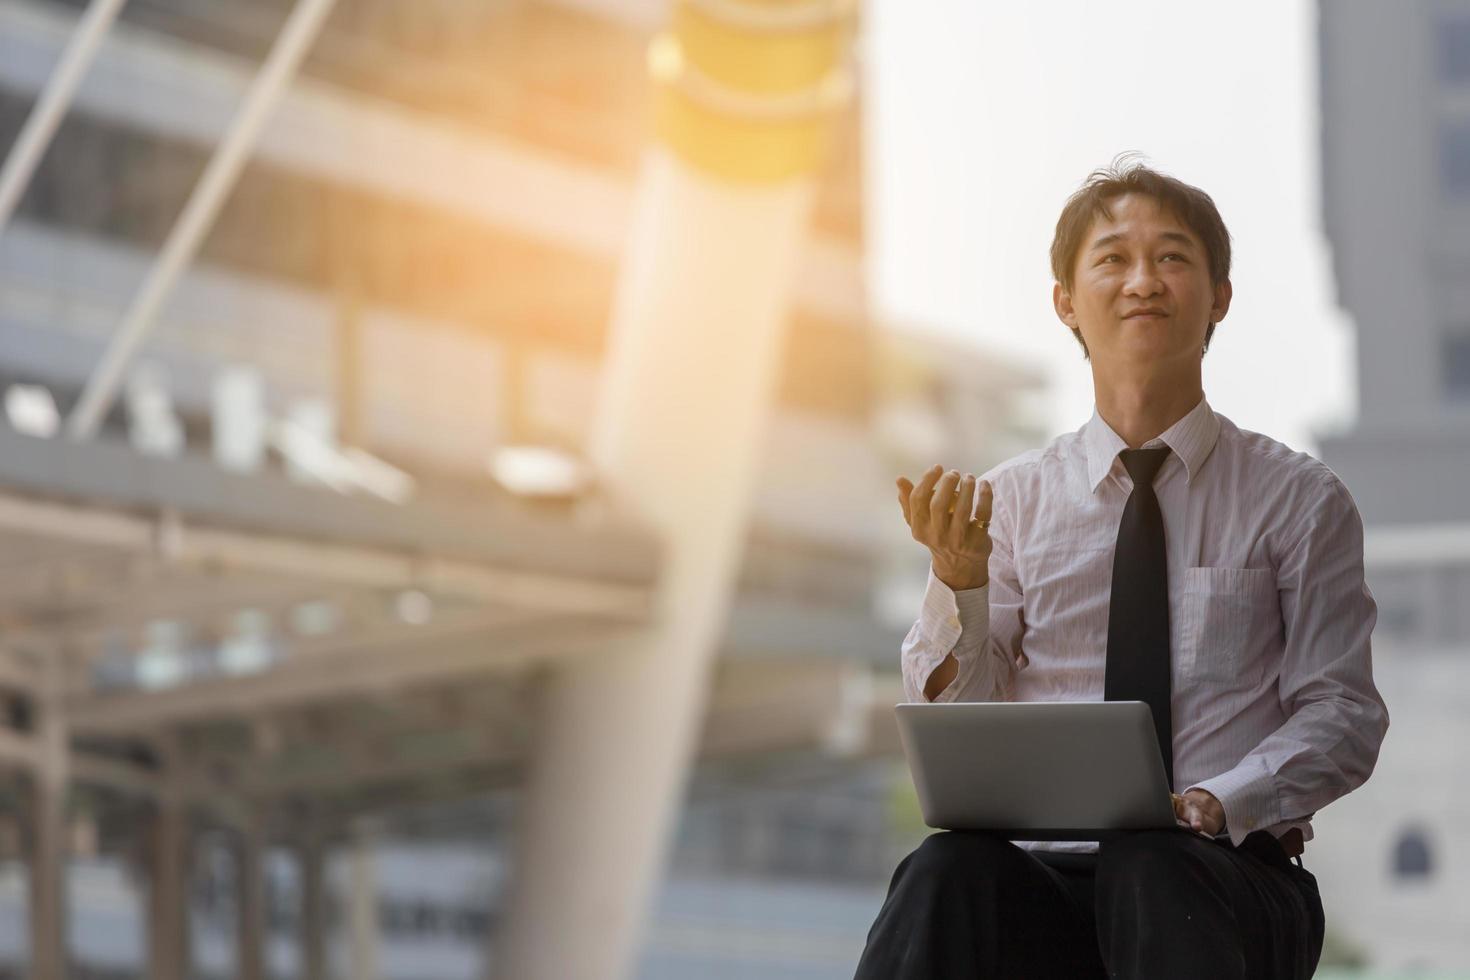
{"x": 1146, "y": 315}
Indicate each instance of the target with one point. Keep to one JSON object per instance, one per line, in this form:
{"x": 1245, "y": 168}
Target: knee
{"x": 965, "y": 855}
{"x": 1151, "y": 859}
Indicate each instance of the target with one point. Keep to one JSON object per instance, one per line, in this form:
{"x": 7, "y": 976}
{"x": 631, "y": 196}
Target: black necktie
{"x": 1138, "y": 614}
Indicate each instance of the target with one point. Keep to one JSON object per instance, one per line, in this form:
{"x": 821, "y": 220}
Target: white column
{"x": 362, "y": 906}
{"x": 696, "y": 335}
{"x": 745, "y": 92}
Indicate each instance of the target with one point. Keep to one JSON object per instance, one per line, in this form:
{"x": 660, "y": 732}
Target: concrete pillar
{"x": 745, "y": 94}
{"x": 250, "y": 932}
{"x": 312, "y": 858}
{"x": 168, "y": 892}
{"x": 362, "y": 906}
{"x": 48, "y": 829}
{"x": 48, "y": 881}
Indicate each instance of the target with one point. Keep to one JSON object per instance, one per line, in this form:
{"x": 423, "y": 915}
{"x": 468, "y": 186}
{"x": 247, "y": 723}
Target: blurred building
{"x": 298, "y": 704}
{"x": 1394, "y": 858}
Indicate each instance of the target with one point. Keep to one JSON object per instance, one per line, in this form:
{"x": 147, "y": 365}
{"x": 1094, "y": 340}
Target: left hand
{"x": 1199, "y": 809}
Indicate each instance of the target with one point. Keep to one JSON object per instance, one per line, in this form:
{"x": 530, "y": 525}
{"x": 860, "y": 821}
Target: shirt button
{"x": 1250, "y": 825}
{"x": 954, "y": 621}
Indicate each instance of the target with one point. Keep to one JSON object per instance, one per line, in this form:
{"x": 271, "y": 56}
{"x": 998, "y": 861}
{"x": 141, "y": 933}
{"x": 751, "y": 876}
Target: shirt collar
{"x": 1192, "y": 439}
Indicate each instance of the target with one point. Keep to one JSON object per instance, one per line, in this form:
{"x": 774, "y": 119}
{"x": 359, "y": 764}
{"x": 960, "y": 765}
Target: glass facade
{"x": 1452, "y": 37}
{"x": 1455, "y": 363}
{"x": 1454, "y": 159}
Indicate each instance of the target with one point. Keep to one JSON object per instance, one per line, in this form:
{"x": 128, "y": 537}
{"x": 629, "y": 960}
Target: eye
{"x": 1176, "y": 255}
{"x": 1110, "y": 257}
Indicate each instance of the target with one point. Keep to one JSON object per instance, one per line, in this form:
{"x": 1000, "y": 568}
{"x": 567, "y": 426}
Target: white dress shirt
{"x": 1274, "y": 707}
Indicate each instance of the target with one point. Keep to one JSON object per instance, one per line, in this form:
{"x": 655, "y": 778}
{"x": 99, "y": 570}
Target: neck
{"x": 1141, "y": 409}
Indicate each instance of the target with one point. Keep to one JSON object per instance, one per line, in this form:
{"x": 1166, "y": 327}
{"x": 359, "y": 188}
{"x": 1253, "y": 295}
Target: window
{"x": 1454, "y": 159}
{"x": 1412, "y": 858}
{"x": 1452, "y": 36}
{"x": 1455, "y": 362}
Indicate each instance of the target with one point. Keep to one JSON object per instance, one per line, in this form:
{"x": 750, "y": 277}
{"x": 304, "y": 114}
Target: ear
{"x": 1062, "y": 302}
{"x": 1223, "y": 294}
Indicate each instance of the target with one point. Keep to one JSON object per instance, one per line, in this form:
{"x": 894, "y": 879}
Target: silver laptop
{"x": 1074, "y": 770}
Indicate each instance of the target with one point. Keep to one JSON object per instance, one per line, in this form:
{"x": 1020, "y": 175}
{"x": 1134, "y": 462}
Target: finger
{"x": 905, "y": 488}
{"x": 1184, "y": 812}
{"x": 963, "y": 507}
{"x": 983, "y": 504}
{"x": 1188, "y": 813}
{"x": 931, "y": 476}
{"x": 939, "y": 516}
{"x": 977, "y": 538}
{"x": 919, "y": 499}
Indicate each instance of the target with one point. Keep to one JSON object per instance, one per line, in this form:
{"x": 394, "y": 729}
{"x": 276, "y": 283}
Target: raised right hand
{"x": 937, "y": 512}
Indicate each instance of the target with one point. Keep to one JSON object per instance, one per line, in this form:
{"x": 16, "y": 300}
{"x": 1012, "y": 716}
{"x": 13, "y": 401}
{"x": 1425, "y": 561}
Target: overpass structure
{"x": 427, "y": 257}
{"x": 190, "y": 648}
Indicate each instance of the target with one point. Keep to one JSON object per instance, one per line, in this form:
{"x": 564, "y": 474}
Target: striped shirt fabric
{"x": 1274, "y": 707}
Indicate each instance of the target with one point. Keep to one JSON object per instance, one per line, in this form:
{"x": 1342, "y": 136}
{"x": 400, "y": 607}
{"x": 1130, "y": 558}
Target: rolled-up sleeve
{"x": 1335, "y": 717}
{"x": 981, "y": 627}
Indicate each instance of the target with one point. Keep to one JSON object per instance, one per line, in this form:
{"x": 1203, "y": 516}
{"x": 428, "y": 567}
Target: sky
{"x": 983, "y": 117}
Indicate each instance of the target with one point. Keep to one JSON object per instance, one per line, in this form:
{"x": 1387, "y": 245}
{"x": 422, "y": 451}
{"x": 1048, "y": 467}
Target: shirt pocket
{"x": 1228, "y": 617}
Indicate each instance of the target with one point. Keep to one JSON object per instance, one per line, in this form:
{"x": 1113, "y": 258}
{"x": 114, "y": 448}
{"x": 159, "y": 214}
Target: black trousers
{"x": 1148, "y": 906}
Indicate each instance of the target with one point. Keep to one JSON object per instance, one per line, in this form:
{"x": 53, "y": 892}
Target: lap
{"x": 979, "y": 856}
{"x": 1257, "y": 874}
{"x": 1146, "y": 899}
{"x": 1271, "y": 906}
{"x": 967, "y": 902}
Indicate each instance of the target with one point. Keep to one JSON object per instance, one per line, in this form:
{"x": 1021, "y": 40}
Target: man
{"x": 1159, "y": 553}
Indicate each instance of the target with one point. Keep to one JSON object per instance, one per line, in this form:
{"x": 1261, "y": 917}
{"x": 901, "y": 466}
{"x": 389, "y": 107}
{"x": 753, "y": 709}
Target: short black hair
{"x": 1127, "y": 174}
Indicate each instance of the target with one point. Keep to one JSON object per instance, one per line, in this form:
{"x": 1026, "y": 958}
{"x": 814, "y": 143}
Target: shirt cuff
{"x": 974, "y": 610}
{"x": 1247, "y": 793}
{"x": 950, "y": 622}
{"x": 947, "y": 613}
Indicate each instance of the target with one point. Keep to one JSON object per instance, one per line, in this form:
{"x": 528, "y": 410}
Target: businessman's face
{"x": 1141, "y": 291}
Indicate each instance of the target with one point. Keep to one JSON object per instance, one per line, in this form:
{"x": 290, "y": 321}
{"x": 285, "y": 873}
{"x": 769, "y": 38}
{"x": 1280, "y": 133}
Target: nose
{"x": 1143, "y": 280}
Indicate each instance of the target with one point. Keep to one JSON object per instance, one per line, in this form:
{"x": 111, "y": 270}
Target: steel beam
{"x": 379, "y": 568}
{"x": 48, "y": 834}
{"x": 168, "y": 907}
{"x": 312, "y": 857}
{"x": 471, "y": 650}
{"x": 362, "y": 905}
{"x": 199, "y": 212}
{"x": 250, "y": 931}
{"x": 46, "y": 115}
{"x": 285, "y": 558}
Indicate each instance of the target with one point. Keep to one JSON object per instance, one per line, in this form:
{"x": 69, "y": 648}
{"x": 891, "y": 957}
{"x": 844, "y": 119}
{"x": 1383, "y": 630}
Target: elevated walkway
{"x": 398, "y": 657}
